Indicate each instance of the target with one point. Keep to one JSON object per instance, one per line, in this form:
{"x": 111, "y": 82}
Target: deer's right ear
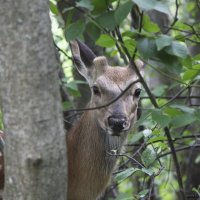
{"x": 83, "y": 59}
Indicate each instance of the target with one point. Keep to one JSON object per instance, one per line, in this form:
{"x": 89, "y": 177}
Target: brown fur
{"x": 90, "y": 142}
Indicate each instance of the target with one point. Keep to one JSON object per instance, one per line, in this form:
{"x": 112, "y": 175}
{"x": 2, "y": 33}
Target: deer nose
{"x": 117, "y": 123}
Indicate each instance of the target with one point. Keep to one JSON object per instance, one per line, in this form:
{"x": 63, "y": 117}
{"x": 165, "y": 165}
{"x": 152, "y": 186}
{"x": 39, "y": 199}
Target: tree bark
{"x": 35, "y": 150}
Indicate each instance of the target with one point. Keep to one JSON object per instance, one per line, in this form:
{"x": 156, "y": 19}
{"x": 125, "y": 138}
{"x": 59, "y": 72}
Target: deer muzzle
{"x": 118, "y": 123}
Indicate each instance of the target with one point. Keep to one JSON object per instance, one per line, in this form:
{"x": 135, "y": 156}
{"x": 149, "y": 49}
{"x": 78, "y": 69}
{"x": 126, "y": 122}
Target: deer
{"x": 100, "y": 132}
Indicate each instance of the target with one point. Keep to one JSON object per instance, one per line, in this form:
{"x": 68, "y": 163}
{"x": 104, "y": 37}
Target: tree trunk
{"x": 35, "y": 150}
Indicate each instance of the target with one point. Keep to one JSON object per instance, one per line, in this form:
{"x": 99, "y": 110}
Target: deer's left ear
{"x": 83, "y": 58}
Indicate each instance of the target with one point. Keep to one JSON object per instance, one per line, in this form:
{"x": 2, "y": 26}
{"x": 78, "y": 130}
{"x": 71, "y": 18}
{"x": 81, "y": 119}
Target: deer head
{"x": 106, "y": 84}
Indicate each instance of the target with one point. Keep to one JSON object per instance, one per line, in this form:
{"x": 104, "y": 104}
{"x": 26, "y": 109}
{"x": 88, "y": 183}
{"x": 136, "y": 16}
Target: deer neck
{"x": 90, "y": 138}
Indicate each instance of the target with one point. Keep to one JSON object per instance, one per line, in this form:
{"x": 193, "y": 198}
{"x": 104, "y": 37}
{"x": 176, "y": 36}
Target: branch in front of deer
{"x": 113, "y": 153}
{"x": 107, "y": 104}
{"x": 141, "y": 146}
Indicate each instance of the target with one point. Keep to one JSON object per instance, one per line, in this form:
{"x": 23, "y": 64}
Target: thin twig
{"x": 170, "y": 97}
{"x": 59, "y": 49}
{"x": 175, "y": 17}
{"x": 179, "y": 149}
{"x": 194, "y": 136}
{"x": 120, "y": 52}
{"x": 173, "y": 98}
{"x": 124, "y": 155}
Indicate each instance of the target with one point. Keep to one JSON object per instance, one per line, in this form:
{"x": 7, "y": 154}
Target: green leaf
{"x": 152, "y": 4}
{"x": 158, "y": 138}
{"x": 184, "y": 108}
{"x": 147, "y": 47}
{"x": 143, "y": 193}
{"x": 189, "y": 74}
{"x": 85, "y": 4}
{"x": 105, "y": 41}
{"x": 197, "y": 114}
{"x": 163, "y": 41}
{"x": 72, "y": 85}
{"x": 177, "y": 49}
{"x": 181, "y": 25}
{"x": 196, "y": 66}
{"x": 129, "y": 34}
{"x": 93, "y": 31}
{"x": 125, "y": 174}
{"x": 159, "y": 117}
{"x": 136, "y": 137}
{"x": 53, "y": 8}
{"x": 148, "y": 156}
{"x": 99, "y": 6}
{"x": 130, "y": 45}
{"x": 183, "y": 120}
{"x": 67, "y": 105}
{"x": 149, "y": 26}
{"x": 196, "y": 58}
{"x": 147, "y": 171}
{"x": 107, "y": 20}
{"x": 114, "y": 53}
{"x": 122, "y": 11}
{"x": 74, "y": 30}
{"x": 172, "y": 112}
{"x": 160, "y": 90}
{"x": 187, "y": 62}
{"x": 74, "y": 93}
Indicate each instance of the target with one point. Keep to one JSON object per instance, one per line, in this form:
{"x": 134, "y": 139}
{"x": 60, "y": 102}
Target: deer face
{"x": 106, "y": 84}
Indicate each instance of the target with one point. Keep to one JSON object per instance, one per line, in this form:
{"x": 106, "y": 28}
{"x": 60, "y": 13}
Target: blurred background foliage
{"x": 161, "y": 159}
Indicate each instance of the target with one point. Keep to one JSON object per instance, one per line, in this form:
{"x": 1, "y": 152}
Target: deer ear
{"x": 83, "y": 59}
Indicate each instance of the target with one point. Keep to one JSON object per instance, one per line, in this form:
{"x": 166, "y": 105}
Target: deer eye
{"x": 96, "y": 90}
{"x": 137, "y": 92}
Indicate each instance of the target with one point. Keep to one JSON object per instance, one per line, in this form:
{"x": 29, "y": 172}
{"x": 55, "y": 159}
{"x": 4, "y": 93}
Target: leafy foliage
{"x": 125, "y": 30}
